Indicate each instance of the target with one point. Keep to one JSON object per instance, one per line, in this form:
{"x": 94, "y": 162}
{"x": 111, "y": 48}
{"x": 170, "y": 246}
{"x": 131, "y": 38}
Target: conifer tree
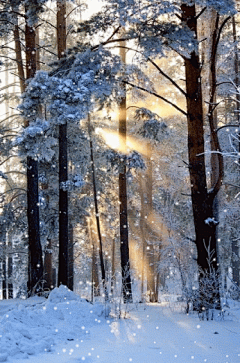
{"x": 63, "y": 161}
{"x": 123, "y": 215}
{"x": 35, "y": 264}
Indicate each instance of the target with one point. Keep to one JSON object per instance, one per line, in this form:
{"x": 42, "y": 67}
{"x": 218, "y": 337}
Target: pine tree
{"x": 35, "y": 264}
{"x": 123, "y": 215}
{"x": 63, "y": 275}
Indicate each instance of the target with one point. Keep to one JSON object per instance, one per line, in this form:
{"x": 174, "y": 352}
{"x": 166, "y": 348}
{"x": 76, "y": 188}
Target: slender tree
{"x": 35, "y": 265}
{"x": 202, "y": 199}
{"x": 124, "y": 243}
{"x": 235, "y": 243}
{"x": 97, "y": 212}
{"x": 63, "y": 275}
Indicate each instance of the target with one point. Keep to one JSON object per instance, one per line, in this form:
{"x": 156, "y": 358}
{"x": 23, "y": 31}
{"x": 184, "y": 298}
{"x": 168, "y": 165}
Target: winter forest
{"x": 119, "y": 181}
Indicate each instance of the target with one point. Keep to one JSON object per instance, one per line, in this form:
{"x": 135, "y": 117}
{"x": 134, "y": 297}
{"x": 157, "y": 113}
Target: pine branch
{"x": 158, "y": 68}
{"x": 156, "y": 95}
{"x": 201, "y": 12}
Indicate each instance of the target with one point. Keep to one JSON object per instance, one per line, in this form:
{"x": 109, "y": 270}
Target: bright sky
{"x": 93, "y": 7}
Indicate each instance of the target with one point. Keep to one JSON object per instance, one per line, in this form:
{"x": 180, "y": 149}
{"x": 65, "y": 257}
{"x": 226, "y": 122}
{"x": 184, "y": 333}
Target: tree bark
{"x": 71, "y": 258}
{"x": 10, "y": 269}
{"x": 124, "y": 243}
{"x": 235, "y": 261}
{"x": 63, "y": 277}
{"x": 202, "y": 200}
{"x": 35, "y": 264}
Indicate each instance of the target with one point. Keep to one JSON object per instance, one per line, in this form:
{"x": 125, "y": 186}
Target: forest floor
{"x": 67, "y": 329}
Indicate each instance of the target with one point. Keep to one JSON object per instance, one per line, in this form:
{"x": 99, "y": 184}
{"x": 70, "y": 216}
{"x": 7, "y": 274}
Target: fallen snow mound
{"x": 31, "y": 329}
{"x": 62, "y": 294}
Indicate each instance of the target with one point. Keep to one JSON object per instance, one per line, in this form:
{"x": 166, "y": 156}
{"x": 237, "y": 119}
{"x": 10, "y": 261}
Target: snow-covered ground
{"x": 67, "y": 329}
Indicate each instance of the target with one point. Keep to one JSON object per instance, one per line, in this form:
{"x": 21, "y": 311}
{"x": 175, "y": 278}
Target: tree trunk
{"x": 202, "y": 201}
{"x": 3, "y": 236}
{"x": 97, "y": 213}
{"x": 35, "y": 262}
{"x": 150, "y": 251}
{"x": 113, "y": 277}
{"x": 63, "y": 278}
{"x": 142, "y": 230}
{"x": 95, "y": 279}
{"x": 235, "y": 261}
{"x": 4, "y": 281}
{"x": 10, "y": 269}
{"x": 124, "y": 243}
{"x": 71, "y": 258}
{"x": 212, "y": 110}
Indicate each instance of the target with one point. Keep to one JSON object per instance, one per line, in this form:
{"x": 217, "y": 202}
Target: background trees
{"x": 169, "y": 216}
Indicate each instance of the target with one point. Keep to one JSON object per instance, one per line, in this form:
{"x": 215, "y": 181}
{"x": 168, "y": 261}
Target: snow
{"x": 67, "y": 329}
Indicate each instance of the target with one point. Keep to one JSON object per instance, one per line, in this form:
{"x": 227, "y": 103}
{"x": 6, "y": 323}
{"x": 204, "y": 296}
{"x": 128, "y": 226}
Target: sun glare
{"x": 112, "y": 139}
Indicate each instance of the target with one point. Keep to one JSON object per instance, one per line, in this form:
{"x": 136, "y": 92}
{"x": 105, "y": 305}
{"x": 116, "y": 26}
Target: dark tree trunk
{"x": 235, "y": 261}
{"x": 95, "y": 279}
{"x": 63, "y": 207}
{"x": 35, "y": 262}
{"x": 97, "y": 213}
{"x": 10, "y": 270}
{"x": 3, "y": 261}
{"x": 202, "y": 200}
{"x": 236, "y": 70}
{"x": 70, "y": 259}
{"x": 4, "y": 279}
{"x": 63, "y": 162}
{"x": 124, "y": 243}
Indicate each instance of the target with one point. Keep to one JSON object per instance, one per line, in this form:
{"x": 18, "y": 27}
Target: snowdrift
{"x": 27, "y": 330}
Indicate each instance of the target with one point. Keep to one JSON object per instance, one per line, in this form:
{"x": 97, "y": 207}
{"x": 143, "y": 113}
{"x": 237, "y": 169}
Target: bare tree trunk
{"x": 10, "y": 269}
{"x": 3, "y": 261}
{"x": 63, "y": 277}
{"x": 35, "y": 264}
{"x": 4, "y": 281}
{"x": 212, "y": 110}
{"x": 97, "y": 213}
{"x": 71, "y": 258}
{"x": 95, "y": 279}
{"x": 150, "y": 252}
{"x": 236, "y": 70}
{"x": 142, "y": 229}
{"x": 124, "y": 243}
{"x": 202, "y": 201}
{"x": 235, "y": 261}
{"x": 113, "y": 277}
